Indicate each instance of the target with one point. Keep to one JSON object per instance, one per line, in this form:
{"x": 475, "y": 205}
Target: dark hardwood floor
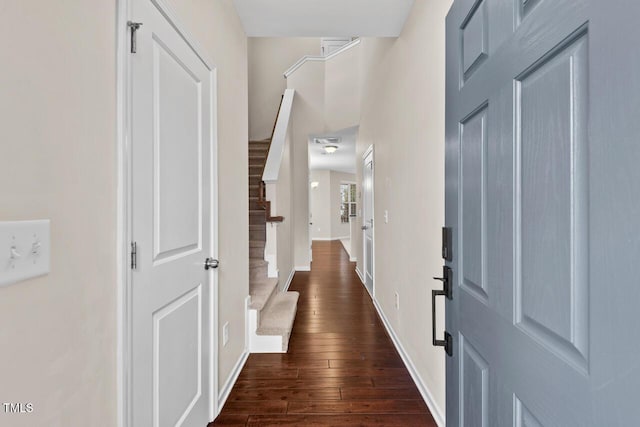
{"x": 341, "y": 369}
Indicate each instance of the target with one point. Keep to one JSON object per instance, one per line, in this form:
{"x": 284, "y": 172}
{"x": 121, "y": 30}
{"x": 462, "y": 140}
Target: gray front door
{"x": 543, "y": 199}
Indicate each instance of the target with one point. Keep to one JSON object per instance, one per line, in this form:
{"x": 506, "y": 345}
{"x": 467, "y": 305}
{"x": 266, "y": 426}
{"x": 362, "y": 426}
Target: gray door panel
{"x": 543, "y": 199}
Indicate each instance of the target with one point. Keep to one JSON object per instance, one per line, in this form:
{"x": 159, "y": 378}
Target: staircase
{"x": 271, "y": 312}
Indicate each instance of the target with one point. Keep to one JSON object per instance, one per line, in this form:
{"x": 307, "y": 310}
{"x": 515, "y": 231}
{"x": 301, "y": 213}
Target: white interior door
{"x": 173, "y": 211}
{"x": 542, "y": 197}
{"x": 367, "y": 220}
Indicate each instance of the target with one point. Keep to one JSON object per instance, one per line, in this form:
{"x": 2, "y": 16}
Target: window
{"x": 348, "y": 201}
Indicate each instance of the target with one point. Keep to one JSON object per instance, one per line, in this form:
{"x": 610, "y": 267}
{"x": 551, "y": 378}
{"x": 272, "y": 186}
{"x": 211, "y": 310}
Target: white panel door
{"x": 543, "y": 200}
{"x": 173, "y": 206}
{"x": 367, "y": 220}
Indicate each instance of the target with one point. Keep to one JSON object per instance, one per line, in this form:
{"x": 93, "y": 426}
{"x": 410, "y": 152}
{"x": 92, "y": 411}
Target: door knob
{"x": 365, "y": 227}
{"x": 210, "y": 263}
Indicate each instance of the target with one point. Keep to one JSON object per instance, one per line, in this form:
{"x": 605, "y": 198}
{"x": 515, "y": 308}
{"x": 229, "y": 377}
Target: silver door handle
{"x": 364, "y": 227}
{"x": 210, "y": 263}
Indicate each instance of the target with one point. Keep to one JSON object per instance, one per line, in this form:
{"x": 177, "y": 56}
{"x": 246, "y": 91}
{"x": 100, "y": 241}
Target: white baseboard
{"x": 359, "y": 273}
{"x": 353, "y": 259}
{"x": 303, "y": 268}
{"x": 436, "y": 411}
{"x": 328, "y": 239}
{"x": 289, "y": 279}
{"x": 233, "y": 377}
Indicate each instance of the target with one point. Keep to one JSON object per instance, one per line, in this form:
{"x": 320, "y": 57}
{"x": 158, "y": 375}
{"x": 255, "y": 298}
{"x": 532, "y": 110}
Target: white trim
{"x": 272, "y": 271}
{"x": 231, "y": 381}
{"x": 289, "y": 280}
{"x": 427, "y": 396}
{"x": 278, "y": 142}
{"x": 303, "y": 268}
{"x": 124, "y": 205}
{"x": 123, "y": 311}
{"x": 311, "y": 58}
{"x": 359, "y": 273}
{"x": 172, "y": 17}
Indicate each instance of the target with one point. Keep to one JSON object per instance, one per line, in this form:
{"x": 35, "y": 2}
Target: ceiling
{"x": 343, "y": 160}
{"x": 323, "y": 18}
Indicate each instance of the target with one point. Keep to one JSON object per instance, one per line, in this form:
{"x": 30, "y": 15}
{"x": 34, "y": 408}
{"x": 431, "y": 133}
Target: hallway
{"x": 341, "y": 368}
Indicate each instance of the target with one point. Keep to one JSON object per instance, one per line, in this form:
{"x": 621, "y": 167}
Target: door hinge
{"x": 134, "y": 255}
{"x": 447, "y": 253}
{"x": 134, "y": 27}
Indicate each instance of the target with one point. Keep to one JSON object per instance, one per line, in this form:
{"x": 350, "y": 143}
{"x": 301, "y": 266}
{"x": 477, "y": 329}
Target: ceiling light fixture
{"x": 330, "y": 149}
{"x": 315, "y": 184}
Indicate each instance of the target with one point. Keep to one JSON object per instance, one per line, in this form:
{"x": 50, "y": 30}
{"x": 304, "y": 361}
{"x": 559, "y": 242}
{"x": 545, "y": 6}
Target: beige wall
{"x": 58, "y": 161}
{"x": 343, "y": 89}
{"x": 403, "y": 117}
{"x": 269, "y": 58}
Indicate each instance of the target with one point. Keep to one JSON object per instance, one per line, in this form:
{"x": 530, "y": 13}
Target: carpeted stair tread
{"x": 260, "y": 292}
{"x": 277, "y": 317}
{"x": 256, "y": 262}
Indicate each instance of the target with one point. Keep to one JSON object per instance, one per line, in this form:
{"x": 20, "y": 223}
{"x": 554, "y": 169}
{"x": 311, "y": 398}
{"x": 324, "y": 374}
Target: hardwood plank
{"x": 250, "y": 407}
{"x": 311, "y": 383}
{"x": 230, "y": 420}
{"x": 387, "y": 363}
{"x": 251, "y": 372}
{"x": 368, "y": 393}
{"x": 341, "y": 372}
{"x": 377, "y": 420}
{"x": 393, "y": 382}
{"x": 359, "y": 407}
{"x": 292, "y": 394}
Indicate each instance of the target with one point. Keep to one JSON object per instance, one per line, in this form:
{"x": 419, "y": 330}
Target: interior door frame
{"x": 124, "y": 208}
{"x": 369, "y": 151}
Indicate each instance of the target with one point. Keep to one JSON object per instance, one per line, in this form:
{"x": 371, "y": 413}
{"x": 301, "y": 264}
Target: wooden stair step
{"x": 256, "y": 243}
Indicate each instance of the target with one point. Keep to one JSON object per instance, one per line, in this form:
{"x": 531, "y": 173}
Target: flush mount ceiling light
{"x": 327, "y": 140}
{"x": 315, "y": 184}
{"x": 330, "y": 149}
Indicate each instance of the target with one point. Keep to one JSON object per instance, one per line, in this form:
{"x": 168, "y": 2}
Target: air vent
{"x": 327, "y": 140}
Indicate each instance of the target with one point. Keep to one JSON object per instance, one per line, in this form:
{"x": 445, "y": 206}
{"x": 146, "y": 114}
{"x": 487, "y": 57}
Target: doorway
{"x": 368, "y": 220}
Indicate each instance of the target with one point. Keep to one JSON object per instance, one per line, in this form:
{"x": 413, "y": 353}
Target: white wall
{"x": 58, "y": 161}
{"x": 325, "y": 204}
{"x": 320, "y": 205}
{"x": 269, "y": 58}
{"x": 306, "y": 119}
{"x": 343, "y": 89}
{"x": 403, "y": 117}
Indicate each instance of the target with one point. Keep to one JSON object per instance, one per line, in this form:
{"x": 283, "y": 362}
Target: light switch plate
{"x": 24, "y": 250}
